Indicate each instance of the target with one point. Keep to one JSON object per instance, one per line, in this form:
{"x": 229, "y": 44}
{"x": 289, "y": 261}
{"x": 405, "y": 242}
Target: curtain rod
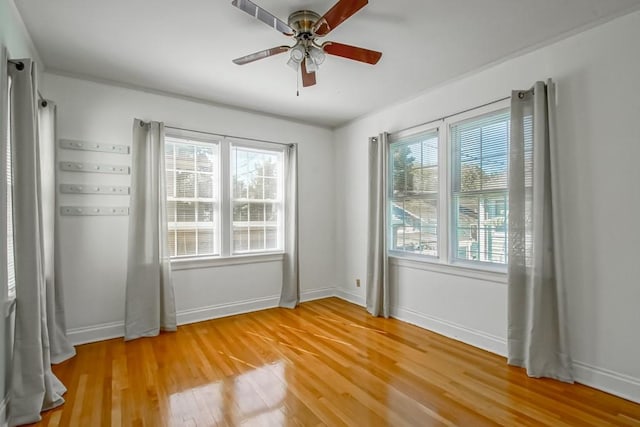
{"x": 453, "y": 114}
{"x": 227, "y": 136}
{"x": 20, "y": 66}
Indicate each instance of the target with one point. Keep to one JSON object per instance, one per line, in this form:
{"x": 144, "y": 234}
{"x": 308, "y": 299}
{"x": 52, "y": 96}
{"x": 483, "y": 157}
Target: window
{"x": 447, "y": 199}
{"x": 192, "y": 197}
{"x": 11, "y": 272}
{"x": 257, "y": 199}
{"x": 224, "y": 198}
{"x": 413, "y": 205}
{"x": 479, "y": 188}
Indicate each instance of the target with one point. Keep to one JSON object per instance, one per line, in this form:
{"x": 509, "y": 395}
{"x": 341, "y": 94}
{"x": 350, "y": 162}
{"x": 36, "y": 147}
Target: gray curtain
{"x": 377, "y": 259}
{"x": 537, "y": 325}
{"x": 34, "y": 388}
{"x": 290, "y": 296}
{"x": 59, "y": 346}
{"x": 150, "y": 303}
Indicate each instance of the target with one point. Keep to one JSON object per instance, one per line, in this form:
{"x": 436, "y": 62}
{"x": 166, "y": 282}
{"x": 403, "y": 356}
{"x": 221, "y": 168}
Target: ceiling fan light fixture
{"x": 317, "y": 55}
{"x": 297, "y": 53}
{"x": 295, "y": 65}
{"x": 311, "y": 65}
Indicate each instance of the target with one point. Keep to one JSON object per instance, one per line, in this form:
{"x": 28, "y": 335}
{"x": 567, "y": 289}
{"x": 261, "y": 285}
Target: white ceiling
{"x": 186, "y": 47}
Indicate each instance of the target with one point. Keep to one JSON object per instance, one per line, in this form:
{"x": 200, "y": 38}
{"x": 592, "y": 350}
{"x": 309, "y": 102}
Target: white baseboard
{"x": 111, "y": 330}
{"x": 4, "y": 421}
{"x": 467, "y": 335}
{"x": 611, "y": 382}
{"x": 315, "y": 294}
{"x": 222, "y": 310}
{"x": 350, "y": 297}
{"x": 101, "y": 332}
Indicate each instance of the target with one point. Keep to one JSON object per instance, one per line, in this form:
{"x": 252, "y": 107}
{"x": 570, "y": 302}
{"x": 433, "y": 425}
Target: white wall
{"x": 15, "y": 38}
{"x": 93, "y": 260}
{"x": 598, "y": 77}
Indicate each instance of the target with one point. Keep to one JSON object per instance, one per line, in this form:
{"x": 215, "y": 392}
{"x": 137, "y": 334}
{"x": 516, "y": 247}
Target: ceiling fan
{"x": 305, "y": 27}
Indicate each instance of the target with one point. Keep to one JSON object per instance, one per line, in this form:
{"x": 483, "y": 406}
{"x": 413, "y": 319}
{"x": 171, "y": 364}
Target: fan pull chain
{"x": 297, "y": 83}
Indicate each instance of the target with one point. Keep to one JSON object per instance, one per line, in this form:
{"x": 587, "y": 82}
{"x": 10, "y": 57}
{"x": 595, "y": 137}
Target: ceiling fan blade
{"x": 352, "y": 52}
{"x": 262, "y": 15}
{"x": 308, "y": 79}
{"x": 340, "y": 12}
{"x": 261, "y": 55}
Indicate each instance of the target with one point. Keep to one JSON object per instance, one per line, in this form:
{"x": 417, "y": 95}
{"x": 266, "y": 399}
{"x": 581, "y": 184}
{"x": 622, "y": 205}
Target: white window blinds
{"x": 479, "y": 187}
{"x": 192, "y": 197}
{"x": 11, "y": 271}
{"x": 257, "y": 199}
{"x": 413, "y": 198}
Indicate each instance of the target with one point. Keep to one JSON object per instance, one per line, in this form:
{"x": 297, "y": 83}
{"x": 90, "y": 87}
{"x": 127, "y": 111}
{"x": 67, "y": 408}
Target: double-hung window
{"x": 224, "y": 197}
{"x": 413, "y": 198}
{"x": 479, "y": 187}
{"x": 448, "y": 187}
{"x": 192, "y": 196}
{"x": 256, "y": 199}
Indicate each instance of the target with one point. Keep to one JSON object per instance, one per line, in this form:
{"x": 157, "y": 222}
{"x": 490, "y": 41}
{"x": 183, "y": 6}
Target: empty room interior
{"x": 320, "y": 212}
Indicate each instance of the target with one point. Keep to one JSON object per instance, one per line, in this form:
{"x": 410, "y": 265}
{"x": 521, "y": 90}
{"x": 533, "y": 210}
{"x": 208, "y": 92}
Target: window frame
{"x": 397, "y": 137}
{"x": 280, "y": 202}
{"x": 446, "y": 260}
{"x": 199, "y": 139}
{"x": 9, "y": 294}
{"x": 224, "y": 203}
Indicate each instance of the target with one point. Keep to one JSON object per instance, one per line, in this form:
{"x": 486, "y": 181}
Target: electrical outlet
{"x": 357, "y": 283}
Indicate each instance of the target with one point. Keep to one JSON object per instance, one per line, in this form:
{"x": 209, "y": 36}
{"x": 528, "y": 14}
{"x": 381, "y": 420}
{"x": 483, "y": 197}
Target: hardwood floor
{"x": 326, "y": 363}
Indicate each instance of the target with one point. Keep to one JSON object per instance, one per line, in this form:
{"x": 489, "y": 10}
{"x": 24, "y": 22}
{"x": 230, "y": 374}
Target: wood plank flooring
{"x": 326, "y": 363}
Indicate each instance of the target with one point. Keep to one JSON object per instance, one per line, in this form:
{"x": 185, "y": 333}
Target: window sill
{"x": 9, "y": 307}
{"x": 486, "y": 273}
{"x": 214, "y": 262}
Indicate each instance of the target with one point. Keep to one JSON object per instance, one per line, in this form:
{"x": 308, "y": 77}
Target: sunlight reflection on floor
{"x": 255, "y": 397}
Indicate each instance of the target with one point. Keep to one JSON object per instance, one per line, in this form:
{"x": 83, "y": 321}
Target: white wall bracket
{"x": 92, "y": 146}
{"x": 94, "y": 167}
{"x": 94, "y": 189}
{"x": 93, "y": 211}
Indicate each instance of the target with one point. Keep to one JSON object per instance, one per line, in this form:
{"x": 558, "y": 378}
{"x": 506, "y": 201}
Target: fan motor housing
{"x": 302, "y": 21}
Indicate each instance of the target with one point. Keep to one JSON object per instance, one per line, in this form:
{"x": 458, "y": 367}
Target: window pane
{"x": 241, "y": 212}
{"x": 205, "y": 212}
{"x": 256, "y": 241}
{"x": 185, "y": 184}
{"x": 186, "y": 242}
{"x": 256, "y": 212}
{"x": 185, "y": 211}
{"x": 479, "y": 177}
{"x": 240, "y": 239}
{"x": 192, "y": 191}
{"x": 271, "y": 238}
{"x": 185, "y": 157}
{"x": 172, "y": 242}
{"x": 171, "y": 211}
{"x": 171, "y": 185}
{"x": 169, "y": 158}
{"x": 414, "y": 226}
{"x": 11, "y": 273}
{"x": 204, "y": 159}
{"x": 413, "y": 205}
{"x": 256, "y": 180}
{"x": 205, "y": 241}
{"x": 270, "y": 188}
{"x": 205, "y": 186}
